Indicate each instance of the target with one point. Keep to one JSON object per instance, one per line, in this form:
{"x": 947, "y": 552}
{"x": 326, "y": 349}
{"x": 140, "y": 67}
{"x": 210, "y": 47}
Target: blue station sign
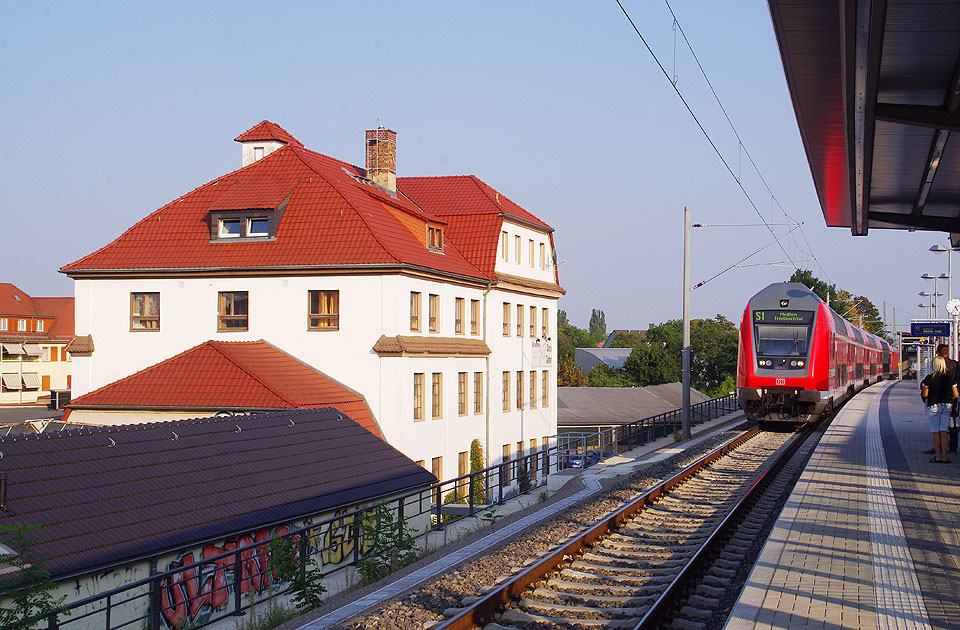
{"x": 930, "y": 329}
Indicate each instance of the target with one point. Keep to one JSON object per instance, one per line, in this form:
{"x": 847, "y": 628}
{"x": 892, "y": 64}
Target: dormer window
{"x": 257, "y": 153}
{"x": 435, "y": 239}
{"x": 231, "y": 228}
{"x": 258, "y": 226}
{"x": 241, "y": 226}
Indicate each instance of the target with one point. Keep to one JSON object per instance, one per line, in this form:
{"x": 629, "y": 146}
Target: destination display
{"x": 783, "y": 317}
{"x": 930, "y": 329}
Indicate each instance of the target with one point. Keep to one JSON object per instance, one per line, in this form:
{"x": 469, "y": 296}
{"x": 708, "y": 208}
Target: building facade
{"x": 34, "y": 334}
{"x": 435, "y": 298}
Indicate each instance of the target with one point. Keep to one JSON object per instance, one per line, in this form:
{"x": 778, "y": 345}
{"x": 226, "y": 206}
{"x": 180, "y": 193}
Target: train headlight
{"x": 793, "y": 364}
{"x": 800, "y": 363}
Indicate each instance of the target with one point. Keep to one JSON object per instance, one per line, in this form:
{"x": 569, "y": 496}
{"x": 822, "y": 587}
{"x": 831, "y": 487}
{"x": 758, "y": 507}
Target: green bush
{"x": 304, "y": 581}
{"x": 29, "y": 590}
{"x": 389, "y": 544}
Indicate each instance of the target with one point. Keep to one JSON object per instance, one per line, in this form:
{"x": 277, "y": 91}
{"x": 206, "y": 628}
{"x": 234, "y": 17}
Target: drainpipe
{"x": 489, "y": 380}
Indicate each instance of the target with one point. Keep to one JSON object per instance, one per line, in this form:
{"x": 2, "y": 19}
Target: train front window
{"x": 782, "y": 340}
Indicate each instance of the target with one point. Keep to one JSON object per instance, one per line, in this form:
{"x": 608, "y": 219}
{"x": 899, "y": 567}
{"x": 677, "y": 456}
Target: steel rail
{"x": 481, "y": 610}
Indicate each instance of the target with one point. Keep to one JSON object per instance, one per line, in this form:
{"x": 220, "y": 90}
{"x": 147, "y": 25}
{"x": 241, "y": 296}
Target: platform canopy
{"x": 876, "y": 89}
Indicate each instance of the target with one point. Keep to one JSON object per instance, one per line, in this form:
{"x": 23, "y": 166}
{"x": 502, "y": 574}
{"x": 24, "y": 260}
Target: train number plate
{"x": 781, "y": 381}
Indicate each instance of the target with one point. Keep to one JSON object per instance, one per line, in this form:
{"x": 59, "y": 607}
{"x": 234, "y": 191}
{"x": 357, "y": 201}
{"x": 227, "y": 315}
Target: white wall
{"x": 369, "y": 306}
{"x": 521, "y": 266}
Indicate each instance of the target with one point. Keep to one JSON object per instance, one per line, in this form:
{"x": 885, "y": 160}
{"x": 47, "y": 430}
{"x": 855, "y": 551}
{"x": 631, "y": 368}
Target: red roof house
{"x": 237, "y": 376}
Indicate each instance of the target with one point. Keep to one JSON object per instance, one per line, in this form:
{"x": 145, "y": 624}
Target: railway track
{"x": 629, "y": 569}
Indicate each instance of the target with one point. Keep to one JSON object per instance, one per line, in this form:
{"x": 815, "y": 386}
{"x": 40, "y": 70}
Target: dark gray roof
{"x": 589, "y": 406}
{"x": 103, "y": 495}
{"x": 875, "y": 95}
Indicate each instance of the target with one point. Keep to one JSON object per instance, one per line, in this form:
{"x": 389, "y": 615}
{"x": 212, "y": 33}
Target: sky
{"x": 114, "y": 109}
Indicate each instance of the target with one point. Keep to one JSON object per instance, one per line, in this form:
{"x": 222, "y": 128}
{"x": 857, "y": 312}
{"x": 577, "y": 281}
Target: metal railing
{"x": 233, "y": 575}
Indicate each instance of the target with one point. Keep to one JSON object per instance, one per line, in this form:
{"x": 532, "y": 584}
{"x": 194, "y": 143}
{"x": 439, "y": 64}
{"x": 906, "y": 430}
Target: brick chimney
{"x": 382, "y": 158}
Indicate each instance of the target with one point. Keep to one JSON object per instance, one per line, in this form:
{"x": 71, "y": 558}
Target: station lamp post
{"x": 929, "y": 276}
{"x": 951, "y": 306}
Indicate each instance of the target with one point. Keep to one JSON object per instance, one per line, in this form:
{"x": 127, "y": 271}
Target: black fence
{"x": 226, "y": 578}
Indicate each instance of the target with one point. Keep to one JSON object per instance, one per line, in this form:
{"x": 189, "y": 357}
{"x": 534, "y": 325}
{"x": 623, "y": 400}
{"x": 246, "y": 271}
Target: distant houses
{"x": 35, "y": 335}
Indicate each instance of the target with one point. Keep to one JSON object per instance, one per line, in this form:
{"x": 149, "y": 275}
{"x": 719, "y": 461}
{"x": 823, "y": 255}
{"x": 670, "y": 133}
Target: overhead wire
{"x": 703, "y": 130}
{"x": 741, "y": 146}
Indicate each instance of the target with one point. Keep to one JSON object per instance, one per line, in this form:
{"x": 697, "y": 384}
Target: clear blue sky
{"x": 114, "y": 109}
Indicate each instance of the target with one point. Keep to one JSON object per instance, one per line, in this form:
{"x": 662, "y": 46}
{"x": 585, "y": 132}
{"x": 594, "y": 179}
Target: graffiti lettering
{"x": 192, "y": 595}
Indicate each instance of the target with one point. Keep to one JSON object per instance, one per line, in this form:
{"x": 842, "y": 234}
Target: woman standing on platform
{"x": 939, "y": 391}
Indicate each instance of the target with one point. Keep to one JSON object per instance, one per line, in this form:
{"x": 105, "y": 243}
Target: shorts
{"x": 939, "y": 415}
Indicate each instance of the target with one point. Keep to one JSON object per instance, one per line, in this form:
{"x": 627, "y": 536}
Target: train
{"x": 798, "y": 359}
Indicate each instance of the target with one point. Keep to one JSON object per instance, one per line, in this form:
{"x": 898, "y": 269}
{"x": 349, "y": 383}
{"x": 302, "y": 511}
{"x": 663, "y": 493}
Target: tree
{"x": 304, "y": 581}
{"x": 605, "y": 376}
{"x": 714, "y": 344}
{"x": 569, "y": 373}
{"x": 390, "y": 544}
{"x": 650, "y": 363}
{"x": 29, "y": 588}
{"x": 477, "y": 464}
{"x": 856, "y": 309}
{"x": 597, "y": 326}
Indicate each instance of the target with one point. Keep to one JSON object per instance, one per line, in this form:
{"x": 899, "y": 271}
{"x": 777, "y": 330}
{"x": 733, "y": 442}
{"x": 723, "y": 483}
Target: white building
{"x": 436, "y": 298}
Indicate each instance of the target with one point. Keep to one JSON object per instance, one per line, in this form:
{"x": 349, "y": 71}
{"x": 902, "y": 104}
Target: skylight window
{"x": 258, "y": 226}
{"x": 231, "y": 228}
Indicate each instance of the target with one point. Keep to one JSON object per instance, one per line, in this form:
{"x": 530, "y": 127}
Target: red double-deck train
{"x": 798, "y": 358}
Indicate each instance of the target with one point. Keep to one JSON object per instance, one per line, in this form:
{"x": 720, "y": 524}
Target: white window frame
{"x": 250, "y": 231}
{"x": 222, "y": 233}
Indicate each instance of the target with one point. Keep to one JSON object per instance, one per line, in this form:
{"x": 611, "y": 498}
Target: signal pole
{"x": 686, "y": 353}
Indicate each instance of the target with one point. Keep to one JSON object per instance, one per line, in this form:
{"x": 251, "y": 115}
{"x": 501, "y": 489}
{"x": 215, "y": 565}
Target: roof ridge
{"x": 218, "y": 346}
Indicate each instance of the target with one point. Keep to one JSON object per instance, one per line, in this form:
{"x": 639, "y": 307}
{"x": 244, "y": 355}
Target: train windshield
{"x": 782, "y": 340}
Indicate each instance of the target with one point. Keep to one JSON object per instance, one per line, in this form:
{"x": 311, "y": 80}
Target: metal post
{"x": 470, "y": 492}
{"x": 686, "y": 323}
{"x": 237, "y": 584}
{"x": 154, "y": 596}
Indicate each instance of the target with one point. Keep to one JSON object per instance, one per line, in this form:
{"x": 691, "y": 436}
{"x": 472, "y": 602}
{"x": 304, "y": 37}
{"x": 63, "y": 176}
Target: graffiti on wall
{"x": 190, "y": 596}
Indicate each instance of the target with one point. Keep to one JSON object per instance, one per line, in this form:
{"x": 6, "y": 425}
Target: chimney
{"x": 382, "y": 158}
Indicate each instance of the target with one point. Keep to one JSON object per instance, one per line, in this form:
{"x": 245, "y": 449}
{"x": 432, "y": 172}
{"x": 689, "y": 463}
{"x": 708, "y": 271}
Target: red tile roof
{"x": 332, "y": 219}
{"x": 16, "y": 303}
{"x": 230, "y": 375}
{"x": 267, "y": 130}
{"x": 103, "y": 496}
{"x": 473, "y": 211}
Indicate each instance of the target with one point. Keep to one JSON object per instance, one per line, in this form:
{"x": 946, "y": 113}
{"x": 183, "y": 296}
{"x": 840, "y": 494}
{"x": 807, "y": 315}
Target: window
{"x": 414, "y": 311}
{"x": 474, "y": 317}
{"x": 533, "y": 389}
{"x": 3, "y": 323}
{"x": 22, "y": 325}
{"x": 545, "y": 388}
{"x": 533, "y": 322}
{"x": 543, "y": 256}
{"x": 324, "y": 310}
{"x": 436, "y": 399}
{"x": 434, "y": 313}
{"x": 144, "y": 311}
{"x": 530, "y": 252}
{"x": 231, "y": 228}
{"x": 545, "y": 323}
{"x": 458, "y": 316}
{"x": 257, "y": 153}
{"x": 418, "y": 396}
{"x": 504, "y": 246}
{"x": 505, "y": 385}
{"x": 462, "y": 393}
{"x": 516, "y": 249}
{"x": 437, "y": 468}
{"x": 258, "y": 226}
{"x": 506, "y": 319}
{"x": 520, "y": 389}
{"x": 507, "y": 472}
{"x": 39, "y": 326}
{"x": 533, "y": 451}
{"x": 519, "y": 320}
{"x": 434, "y": 239}
{"x": 232, "y": 311}
{"x": 477, "y": 392}
{"x": 462, "y": 470}
{"x": 45, "y": 356}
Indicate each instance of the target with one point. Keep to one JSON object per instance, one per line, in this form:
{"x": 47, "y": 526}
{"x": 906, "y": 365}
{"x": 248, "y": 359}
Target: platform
{"x": 869, "y": 536}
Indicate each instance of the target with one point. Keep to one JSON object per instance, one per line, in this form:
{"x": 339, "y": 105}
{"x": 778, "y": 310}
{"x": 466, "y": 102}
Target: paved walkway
{"x": 869, "y": 536}
{"x": 622, "y": 464}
